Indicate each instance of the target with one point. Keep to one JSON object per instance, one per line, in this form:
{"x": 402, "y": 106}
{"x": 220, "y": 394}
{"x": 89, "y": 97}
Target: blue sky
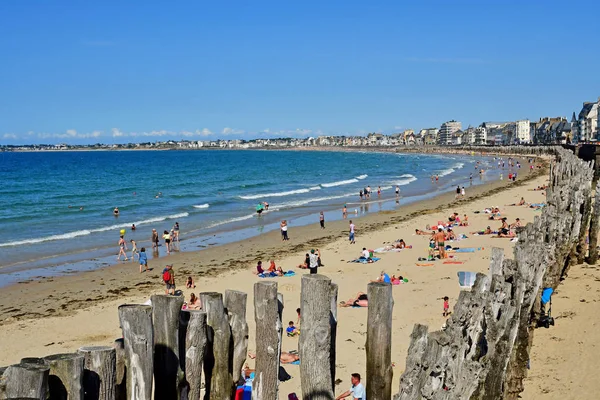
{"x": 86, "y": 72}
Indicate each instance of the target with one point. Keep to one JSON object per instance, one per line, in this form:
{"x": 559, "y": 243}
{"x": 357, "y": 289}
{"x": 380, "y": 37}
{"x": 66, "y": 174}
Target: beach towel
{"x": 384, "y": 250}
{"x": 424, "y": 265}
{"x": 365, "y": 261}
{"x": 466, "y": 250}
{"x": 454, "y": 262}
{"x": 297, "y": 362}
{"x": 466, "y": 279}
{"x": 274, "y": 275}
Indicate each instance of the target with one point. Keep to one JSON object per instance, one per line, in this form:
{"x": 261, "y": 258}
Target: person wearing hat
{"x": 314, "y": 260}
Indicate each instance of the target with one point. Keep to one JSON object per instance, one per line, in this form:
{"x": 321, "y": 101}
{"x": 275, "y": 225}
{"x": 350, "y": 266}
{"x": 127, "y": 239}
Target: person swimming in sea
{"x": 116, "y": 212}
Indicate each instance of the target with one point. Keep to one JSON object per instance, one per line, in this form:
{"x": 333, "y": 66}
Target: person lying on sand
{"x": 385, "y": 278}
{"x": 284, "y": 358}
{"x": 543, "y": 187}
{"x": 520, "y": 203}
{"x": 420, "y": 232}
{"x": 487, "y": 231}
{"x": 361, "y": 300}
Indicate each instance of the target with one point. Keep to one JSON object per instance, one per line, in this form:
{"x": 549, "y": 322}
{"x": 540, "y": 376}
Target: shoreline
{"x": 209, "y": 261}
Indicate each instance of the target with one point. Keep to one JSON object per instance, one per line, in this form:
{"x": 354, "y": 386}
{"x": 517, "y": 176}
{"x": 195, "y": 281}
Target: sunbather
{"x": 361, "y": 300}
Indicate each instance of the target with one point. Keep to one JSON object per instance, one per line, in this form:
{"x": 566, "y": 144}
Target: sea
{"x": 56, "y": 208}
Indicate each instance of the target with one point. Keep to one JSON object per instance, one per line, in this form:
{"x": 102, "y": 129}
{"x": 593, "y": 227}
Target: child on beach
{"x": 167, "y": 238}
{"x": 446, "y": 307}
{"x": 298, "y": 312}
{"x": 134, "y": 250}
{"x": 190, "y": 283}
{"x": 143, "y": 260}
{"x": 291, "y": 330}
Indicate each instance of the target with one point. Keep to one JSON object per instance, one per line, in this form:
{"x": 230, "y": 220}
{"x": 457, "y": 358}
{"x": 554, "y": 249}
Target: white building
{"x": 587, "y": 124}
{"x": 447, "y": 130}
{"x": 523, "y": 131}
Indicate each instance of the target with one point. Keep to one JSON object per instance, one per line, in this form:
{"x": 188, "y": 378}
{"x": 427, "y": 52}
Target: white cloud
{"x": 69, "y": 134}
{"x": 232, "y": 131}
{"x": 9, "y": 136}
{"x": 117, "y": 132}
{"x": 198, "y": 132}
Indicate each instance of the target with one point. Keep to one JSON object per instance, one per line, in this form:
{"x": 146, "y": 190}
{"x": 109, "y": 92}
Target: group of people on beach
{"x": 170, "y": 238}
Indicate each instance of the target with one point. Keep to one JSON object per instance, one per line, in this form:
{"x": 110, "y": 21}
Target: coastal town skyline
{"x": 208, "y": 72}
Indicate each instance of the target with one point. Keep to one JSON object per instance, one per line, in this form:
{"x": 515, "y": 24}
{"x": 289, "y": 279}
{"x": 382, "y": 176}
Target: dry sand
{"x": 61, "y": 314}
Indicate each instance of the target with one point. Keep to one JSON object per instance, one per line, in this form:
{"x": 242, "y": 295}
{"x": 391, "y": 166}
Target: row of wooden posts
{"x": 165, "y": 350}
{"x": 167, "y": 353}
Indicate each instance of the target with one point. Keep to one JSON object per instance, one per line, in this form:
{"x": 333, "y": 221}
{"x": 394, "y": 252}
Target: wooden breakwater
{"x": 169, "y": 353}
{"x": 483, "y": 352}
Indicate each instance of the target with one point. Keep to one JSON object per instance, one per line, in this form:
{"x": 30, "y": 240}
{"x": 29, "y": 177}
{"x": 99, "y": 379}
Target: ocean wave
{"x": 452, "y": 169}
{"x": 362, "y": 176}
{"x": 339, "y": 183}
{"x": 202, "y": 206}
{"x": 409, "y": 179}
{"x": 300, "y": 203}
{"x": 315, "y": 188}
{"x": 407, "y": 176}
{"x": 85, "y": 232}
{"x": 277, "y": 194}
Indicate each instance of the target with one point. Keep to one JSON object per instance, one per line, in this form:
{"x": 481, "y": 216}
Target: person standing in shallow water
{"x": 122, "y": 248}
{"x": 322, "y": 220}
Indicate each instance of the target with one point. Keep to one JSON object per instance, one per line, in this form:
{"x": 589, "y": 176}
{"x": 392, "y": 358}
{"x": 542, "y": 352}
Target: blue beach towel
{"x": 274, "y": 275}
{"x": 466, "y": 250}
{"x": 297, "y": 362}
{"x": 364, "y": 260}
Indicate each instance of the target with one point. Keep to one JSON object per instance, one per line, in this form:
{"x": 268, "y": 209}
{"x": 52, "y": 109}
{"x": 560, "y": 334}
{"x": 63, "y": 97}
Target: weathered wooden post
{"x": 315, "y": 339}
{"x": 217, "y": 360}
{"x": 334, "y": 307}
{"x": 165, "y": 321}
{"x": 235, "y": 304}
{"x": 268, "y": 330}
{"x": 594, "y": 227}
{"x": 121, "y": 383}
{"x": 99, "y": 372}
{"x": 25, "y": 381}
{"x": 66, "y": 376}
{"x": 496, "y": 259}
{"x": 193, "y": 331}
{"x": 379, "y": 341}
{"x": 136, "y": 323}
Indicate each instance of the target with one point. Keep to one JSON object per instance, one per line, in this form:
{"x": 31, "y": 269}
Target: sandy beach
{"x": 61, "y": 314}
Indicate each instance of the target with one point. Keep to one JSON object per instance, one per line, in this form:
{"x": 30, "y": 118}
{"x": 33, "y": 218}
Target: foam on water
{"x": 362, "y": 176}
{"x": 339, "y": 183}
{"x": 202, "y": 206}
{"x": 276, "y": 194}
{"x": 452, "y": 169}
{"x": 85, "y": 232}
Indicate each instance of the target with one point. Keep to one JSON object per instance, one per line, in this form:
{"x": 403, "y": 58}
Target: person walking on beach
{"x": 122, "y": 248}
{"x": 167, "y": 238}
{"x": 134, "y": 250}
{"x": 457, "y": 192}
{"x": 284, "y": 230}
{"x": 143, "y": 260}
{"x": 351, "y": 237}
{"x": 154, "y": 239}
{"x": 397, "y": 191}
{"x": 322, "y": 220}
{"x": 176, "y": 232}
{"x": 169, "y": 280}
{"x": 344, "y": 211}
{"x": 360, "y": 194}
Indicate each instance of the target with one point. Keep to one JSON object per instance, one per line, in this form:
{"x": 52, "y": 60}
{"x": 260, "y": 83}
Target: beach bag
{"x": 371, "y": 253}
{"x": 167, "y": 276}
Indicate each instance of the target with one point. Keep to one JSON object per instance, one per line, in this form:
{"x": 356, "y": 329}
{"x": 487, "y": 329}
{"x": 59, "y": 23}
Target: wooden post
{"x": 333, "y": 317}
{"x": 594, "y": 227}
{"x": 193, "y": 332}
{"x": 315, "y": 339}
{"x": 268, "y": 329}
{"x": 66, "y": 376}
{"x": 379, "y": 341}
{"x": 99, "y": 372}
{"x": 165, "y": 320}
{"x": 496, "y": 259}
{"x": 136, "y": 323}
{"x": 121, "y": 382}
{"x": 25, "y": 381}
{"x": 235, "y": 304}
{"x": 217, "y": 361}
